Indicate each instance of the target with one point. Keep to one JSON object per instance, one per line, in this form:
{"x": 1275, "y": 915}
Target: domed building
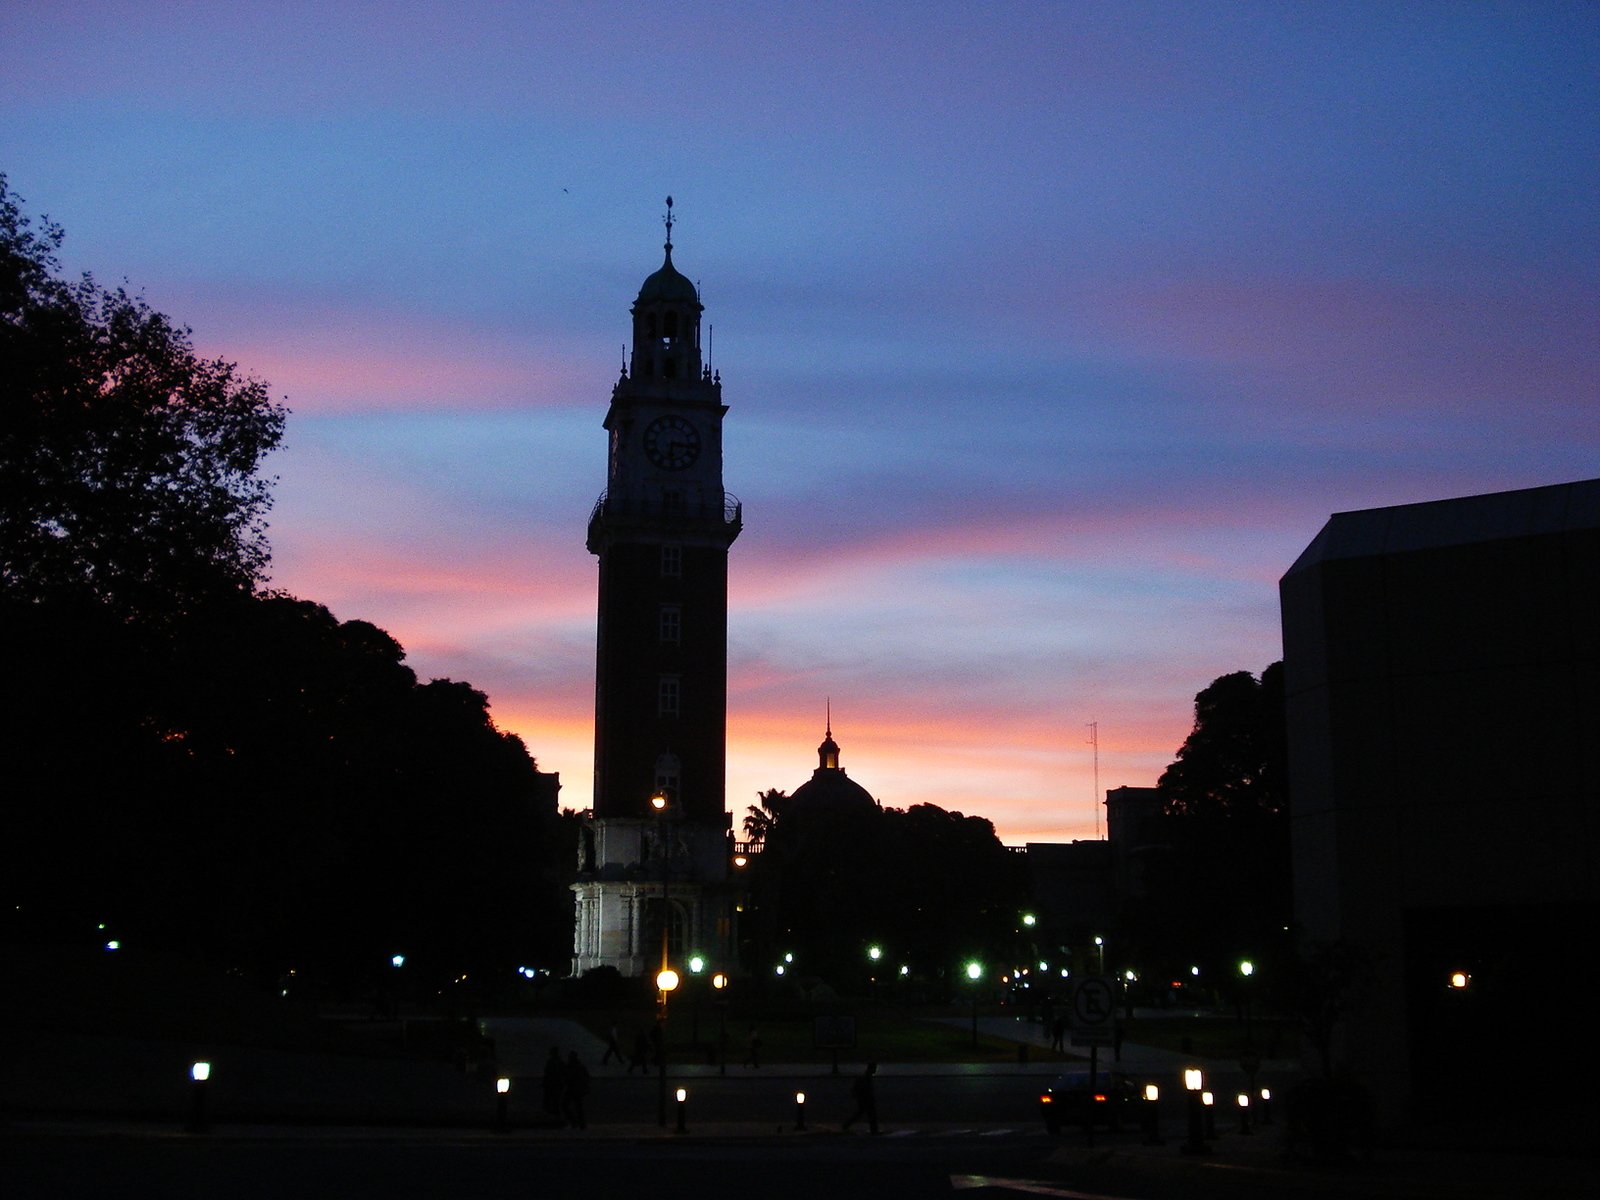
{"x": 829, "y": 789}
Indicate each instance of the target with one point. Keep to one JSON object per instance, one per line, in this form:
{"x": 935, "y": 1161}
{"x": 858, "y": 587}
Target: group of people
{"x": 566, "y": 1084}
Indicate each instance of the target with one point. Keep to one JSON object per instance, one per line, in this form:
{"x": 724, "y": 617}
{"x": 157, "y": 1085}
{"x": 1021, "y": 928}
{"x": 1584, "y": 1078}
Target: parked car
{"x": 1111, "y": 1100}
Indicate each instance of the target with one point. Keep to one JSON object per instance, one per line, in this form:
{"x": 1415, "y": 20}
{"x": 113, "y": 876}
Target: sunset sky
{"x": 1050, "y": 333}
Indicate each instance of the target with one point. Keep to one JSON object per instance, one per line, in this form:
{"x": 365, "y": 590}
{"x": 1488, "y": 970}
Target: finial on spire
{"x": 828, "y": 725}
{"x": 667, "y": 220}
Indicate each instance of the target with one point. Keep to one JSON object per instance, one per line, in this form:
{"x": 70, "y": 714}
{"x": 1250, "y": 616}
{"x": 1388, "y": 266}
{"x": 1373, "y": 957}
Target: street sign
{"x": 1094, "y": 1012}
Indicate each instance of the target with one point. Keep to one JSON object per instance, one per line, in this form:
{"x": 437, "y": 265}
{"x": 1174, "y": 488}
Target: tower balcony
{"x": 685, "y": 518}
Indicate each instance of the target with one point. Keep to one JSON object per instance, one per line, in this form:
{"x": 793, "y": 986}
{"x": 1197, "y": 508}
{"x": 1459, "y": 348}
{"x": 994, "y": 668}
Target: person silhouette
{"x": 575, "y": 1086}
{"x": 865, "y": 1095}
{"x": 554, "y": 1083}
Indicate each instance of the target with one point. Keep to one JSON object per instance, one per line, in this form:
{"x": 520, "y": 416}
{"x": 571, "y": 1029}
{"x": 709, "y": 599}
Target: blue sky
{"x": 1051, "y": 333}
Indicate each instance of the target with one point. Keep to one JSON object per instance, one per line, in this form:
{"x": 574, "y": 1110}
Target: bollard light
{"x": 1151, "y": 1116}
{"x": 683, "y": 1104}
{"x": 502, "y": 1105}
{"x": 199, "y": 1073}
{"x": 799, "y": 1110}
{"x": 1207, "y": 1099}
{"x": 1193, "y": 1081}
{"x": 1244, "y": 1112}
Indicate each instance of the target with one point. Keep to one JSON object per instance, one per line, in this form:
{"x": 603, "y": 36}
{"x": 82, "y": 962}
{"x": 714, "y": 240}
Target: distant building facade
{"x": 1442, "y": 669}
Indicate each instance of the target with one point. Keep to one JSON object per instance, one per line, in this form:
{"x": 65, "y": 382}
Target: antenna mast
{"x": 1094, "y": 740}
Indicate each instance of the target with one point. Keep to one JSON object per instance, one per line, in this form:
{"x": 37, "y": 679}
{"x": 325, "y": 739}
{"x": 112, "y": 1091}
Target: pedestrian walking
{"x": 866, "y": 1098}
{"x": 641, "y": 1053}
{"x": 752, "y": 1054}
{"x": 613, "y": 1047}
{"x": 575, "y": 1086}
{"x": 553, "y": 1083}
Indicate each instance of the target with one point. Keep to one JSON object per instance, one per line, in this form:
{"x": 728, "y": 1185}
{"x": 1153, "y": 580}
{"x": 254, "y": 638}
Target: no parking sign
{"x": 1094, "y": 1012}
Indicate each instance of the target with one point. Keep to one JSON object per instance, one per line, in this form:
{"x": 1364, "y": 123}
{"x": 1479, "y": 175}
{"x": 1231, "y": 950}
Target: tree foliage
{"x": 1216, "y": 879}
{"x": 194, "y": 764}
{"x": 128, "y": 464}
{"x": 1234, "y": 761}
{"x": 929, "y": 885}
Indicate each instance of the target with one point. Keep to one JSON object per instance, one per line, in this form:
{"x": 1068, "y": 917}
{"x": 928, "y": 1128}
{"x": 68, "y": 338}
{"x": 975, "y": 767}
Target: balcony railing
{"x": 724, "y": 516}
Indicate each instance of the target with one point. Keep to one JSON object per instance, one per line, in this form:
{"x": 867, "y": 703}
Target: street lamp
{"x": 666, "y": 981}
{"x": 666, "y": 978}
{"x": 1246, "y": 970}
{"x": 199, "y": 1075}
{"x": 974, "y": 973}
{"x": 719, "y": 982}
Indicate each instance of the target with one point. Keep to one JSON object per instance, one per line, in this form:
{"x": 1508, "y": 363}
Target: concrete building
{"x": 1442, "y": 669}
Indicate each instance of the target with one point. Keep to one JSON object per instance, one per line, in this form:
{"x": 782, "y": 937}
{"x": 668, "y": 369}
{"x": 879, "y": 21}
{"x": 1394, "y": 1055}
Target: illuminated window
{"x": 671, "y": 624}
{"x": 667, "y": 696}
{"x": 671, "y": 562}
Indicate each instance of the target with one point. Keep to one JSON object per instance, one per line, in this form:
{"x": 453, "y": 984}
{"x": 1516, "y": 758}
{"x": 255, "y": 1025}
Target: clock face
{"x": 671, "y": 443}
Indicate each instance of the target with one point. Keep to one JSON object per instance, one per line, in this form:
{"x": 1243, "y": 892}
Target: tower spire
{"x": 667, "y": 221}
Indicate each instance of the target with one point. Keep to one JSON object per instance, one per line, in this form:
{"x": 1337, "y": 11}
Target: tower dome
{"x": 829, "y": 789}
{"x": 668, "y": 286}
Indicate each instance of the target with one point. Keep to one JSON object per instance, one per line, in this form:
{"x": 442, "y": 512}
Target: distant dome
{"x": 668, "y": 285}
{"x": 829, "y": 789}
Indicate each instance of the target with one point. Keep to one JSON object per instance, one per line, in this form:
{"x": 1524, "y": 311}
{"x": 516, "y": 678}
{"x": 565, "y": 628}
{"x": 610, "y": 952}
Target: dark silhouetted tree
{"x": 127, "y": 462}
{"x": 235, "y": 776}
{"x": 930, "y": 886}
{"x": 1219, "y": 889}
{"x": 1233, "y": 763}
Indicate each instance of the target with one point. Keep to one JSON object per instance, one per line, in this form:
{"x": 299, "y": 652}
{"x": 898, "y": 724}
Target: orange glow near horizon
{"x": 1033, "y": 788}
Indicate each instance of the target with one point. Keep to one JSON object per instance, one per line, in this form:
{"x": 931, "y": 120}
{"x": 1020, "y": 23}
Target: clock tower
{"x": 655, "y": 847}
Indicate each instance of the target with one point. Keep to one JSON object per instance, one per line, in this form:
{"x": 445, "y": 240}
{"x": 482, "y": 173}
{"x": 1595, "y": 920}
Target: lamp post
{"x": 200, "y": 1076}
{"x": 974, "y": 973}
{"x": 502, "y": 1092}
{"x": 1246, "y": 970}
{"x": 666, "y": 981}
{"x": 800, "y": 1110}
{"x": 666, "y": 978}
{"x": 719, "y": 981}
